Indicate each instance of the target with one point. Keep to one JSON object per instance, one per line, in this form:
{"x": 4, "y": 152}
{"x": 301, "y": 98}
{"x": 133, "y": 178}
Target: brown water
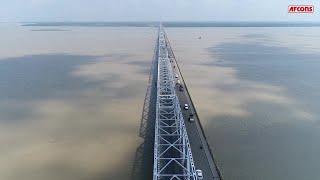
{"x": 71, "y": 101}
{"x": 257, "y": 91}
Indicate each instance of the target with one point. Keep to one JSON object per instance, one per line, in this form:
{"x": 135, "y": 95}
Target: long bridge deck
{"x": 180, "y": 146}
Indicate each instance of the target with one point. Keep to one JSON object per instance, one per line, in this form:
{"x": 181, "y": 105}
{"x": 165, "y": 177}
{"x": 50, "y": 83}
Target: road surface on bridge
{"x": 201, "y": 151}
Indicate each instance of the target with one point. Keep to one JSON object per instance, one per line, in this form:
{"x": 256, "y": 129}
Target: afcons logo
{"x": 300, "y": 9}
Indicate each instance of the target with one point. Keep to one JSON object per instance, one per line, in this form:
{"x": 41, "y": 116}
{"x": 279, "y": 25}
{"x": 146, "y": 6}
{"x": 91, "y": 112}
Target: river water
{"x": 71, "y": 99}
{"x": 257, "y": 92}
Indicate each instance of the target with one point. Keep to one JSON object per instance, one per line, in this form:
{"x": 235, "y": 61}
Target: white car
{"x": 176, "y": 76}
{"x": 191, "y": 119}
{"x": 199, "y": 174}
{"x": 186, "y": 106}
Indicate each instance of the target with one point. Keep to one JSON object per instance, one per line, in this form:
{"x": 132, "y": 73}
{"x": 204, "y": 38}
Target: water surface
{"x": 71, "y": 101}
{"x": 257, "y": 92}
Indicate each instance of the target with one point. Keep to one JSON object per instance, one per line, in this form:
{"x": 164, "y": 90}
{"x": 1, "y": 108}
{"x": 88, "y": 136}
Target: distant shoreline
{"x": 175, "y": 24}
{"x": 50, "y": 30}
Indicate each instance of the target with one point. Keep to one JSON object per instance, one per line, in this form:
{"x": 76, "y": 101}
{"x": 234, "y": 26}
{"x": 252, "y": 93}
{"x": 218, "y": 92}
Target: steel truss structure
{"x": 172, "y": 152}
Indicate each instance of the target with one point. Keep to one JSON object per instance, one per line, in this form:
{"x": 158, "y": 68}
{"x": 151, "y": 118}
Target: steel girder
{"x": 172, "y": 152}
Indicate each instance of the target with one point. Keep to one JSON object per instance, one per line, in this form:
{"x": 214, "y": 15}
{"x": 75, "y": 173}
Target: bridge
{"x": 180, "y": 147}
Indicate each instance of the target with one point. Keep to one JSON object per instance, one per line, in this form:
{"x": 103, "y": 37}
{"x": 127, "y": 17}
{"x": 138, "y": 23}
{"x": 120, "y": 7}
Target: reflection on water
{"x": 71, "y": 101}
{"x": 257, "y": 92}
{"x": 41, "y": 76}
{"x": 74, "y": 112}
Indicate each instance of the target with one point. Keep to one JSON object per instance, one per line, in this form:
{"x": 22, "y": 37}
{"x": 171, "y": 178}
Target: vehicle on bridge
{"x": 173, "y": 158}
{"x": 191, "y": 118}
{"x": 180, "y": 88}
{"x": 199, "y": 174}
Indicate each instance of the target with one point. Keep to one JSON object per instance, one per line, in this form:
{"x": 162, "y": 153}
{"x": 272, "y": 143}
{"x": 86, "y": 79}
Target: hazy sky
{"x": 145, "y": 10}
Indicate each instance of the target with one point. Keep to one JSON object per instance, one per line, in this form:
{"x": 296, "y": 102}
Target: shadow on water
{"x": 143, "y": 162}
{"x": 41, "y": 76}
{"x": 49, "y": 76}
{"x": 144, "y": 153}
{"x": 293, "y": 69}
{"x": 281, "y": 61}
{"x": 273, "y": 135}
{"x": 73, "y": 118}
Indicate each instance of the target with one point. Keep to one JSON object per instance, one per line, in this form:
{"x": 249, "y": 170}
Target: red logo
{"x": 300, "y": 8}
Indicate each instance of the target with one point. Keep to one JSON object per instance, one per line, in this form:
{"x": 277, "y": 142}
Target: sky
{"x": 153, "y": 10}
